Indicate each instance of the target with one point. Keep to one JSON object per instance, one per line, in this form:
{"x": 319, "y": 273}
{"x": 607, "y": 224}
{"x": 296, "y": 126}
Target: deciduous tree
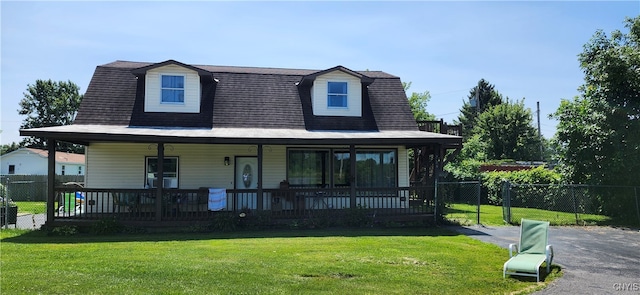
{"x": 47, "y": 103}
{"x": 418, "y": 103}
{"x": 598, "y": 132}
{"x": 7, "y": 148}
{"x": 508, "y": 131}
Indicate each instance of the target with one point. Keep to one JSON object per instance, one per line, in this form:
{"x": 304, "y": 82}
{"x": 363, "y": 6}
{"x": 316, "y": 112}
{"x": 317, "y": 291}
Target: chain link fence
{"x": 460, "y": 201}
{"x": 23, "y": 202}
{"x": 564, "y": 204}
{"x": 23, "y": 199}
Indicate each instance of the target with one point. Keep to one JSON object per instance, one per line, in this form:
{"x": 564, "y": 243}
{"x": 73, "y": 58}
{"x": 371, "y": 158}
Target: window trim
{"x": 184, "y": 88}
{"x": 344, "y": 95}
{"x": 146, "y": 172}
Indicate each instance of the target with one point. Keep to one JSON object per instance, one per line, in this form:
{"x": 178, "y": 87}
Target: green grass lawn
{"x": 357, "y": 261}
{"x": 492, "y": 215}
{"x": 31, "y": 207}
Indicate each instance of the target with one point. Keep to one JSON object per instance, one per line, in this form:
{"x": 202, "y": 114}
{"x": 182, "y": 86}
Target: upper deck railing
{"x": 440, "y": 127}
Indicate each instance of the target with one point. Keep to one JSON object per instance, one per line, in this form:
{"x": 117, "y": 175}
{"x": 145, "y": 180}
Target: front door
{"x": 246, "y": 178}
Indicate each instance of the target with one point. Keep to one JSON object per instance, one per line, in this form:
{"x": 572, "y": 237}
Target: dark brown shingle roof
{"x": 243, "y": 97}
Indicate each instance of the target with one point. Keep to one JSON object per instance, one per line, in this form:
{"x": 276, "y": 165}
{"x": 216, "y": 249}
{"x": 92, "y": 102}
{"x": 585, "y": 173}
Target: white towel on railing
{"x": 217, "y": 199}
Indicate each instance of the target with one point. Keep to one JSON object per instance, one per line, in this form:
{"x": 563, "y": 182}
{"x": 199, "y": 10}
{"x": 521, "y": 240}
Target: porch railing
{"x": 193, "y": 204}
{"x": 440, "y": 127}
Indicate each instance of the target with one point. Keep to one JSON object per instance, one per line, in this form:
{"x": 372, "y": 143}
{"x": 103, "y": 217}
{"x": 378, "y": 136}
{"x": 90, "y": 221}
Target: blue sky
{"x": 526, "y": 49}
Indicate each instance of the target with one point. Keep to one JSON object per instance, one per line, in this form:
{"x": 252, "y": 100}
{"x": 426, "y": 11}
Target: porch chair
{"x": 127, "y": 200}
{"x": 533, "y": 250}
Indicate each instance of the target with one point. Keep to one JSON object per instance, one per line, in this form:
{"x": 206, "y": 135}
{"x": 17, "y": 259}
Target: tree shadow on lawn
{"x": 453, "y": 211}
{"x": 42, "y": 236}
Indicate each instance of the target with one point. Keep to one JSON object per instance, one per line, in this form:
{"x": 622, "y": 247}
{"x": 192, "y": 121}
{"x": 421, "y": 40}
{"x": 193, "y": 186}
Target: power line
{"x": 447, "y": 114}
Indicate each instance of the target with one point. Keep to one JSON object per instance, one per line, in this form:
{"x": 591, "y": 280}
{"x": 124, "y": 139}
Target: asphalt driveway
{"x": 595, "y": 260}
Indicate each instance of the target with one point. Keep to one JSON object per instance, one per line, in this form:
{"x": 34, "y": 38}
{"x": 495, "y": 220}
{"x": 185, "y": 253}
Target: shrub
{"x": 254, "y": 219}
{"x": 3, "y": 191}
{"x": 225, "y": 222}
{"x": 493, "y": 181}
{"x": 107, "y": 226}
{"x": 66, "y": 230}
{"x": 359, "y": 216}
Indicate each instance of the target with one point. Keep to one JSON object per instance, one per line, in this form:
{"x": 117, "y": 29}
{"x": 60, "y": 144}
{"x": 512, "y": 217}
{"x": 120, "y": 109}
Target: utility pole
{"x": 478, "y": 97}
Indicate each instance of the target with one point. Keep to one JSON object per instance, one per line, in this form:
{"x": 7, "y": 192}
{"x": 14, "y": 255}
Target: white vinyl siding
{"x": 122, "y": 165}
{"x": 153, "y": 97}
{"x": 403, "y": 167}
{"x": 275, "y": 165}
{"x": 319, "y": 95}
{"x": 27, "y": 163}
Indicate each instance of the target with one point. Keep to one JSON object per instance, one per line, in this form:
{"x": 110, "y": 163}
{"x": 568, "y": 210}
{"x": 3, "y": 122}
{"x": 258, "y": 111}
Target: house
{"x": 229, "y": 138}
{"x": 30, "y": 161}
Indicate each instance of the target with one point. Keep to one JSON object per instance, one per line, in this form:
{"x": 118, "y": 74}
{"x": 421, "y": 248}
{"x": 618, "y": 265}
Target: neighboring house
{"x": 29, "y": 161}
{"x": 271, "y": 139}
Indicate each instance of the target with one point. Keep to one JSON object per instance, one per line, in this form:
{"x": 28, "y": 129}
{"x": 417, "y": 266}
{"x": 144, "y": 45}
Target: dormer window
{"x": 337, "y": 94}
{"x": 172, "y": 90}
{"x": 172, "y": 87}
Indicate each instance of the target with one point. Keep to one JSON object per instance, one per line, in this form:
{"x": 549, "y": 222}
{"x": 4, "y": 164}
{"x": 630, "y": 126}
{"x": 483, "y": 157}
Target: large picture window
{"x": 172, "y": 89}
{"x": 308, "y": 168}
{"x": 332, "y": 168}
{"x": 170, "y": 174}
{"x": 376, "y": 169}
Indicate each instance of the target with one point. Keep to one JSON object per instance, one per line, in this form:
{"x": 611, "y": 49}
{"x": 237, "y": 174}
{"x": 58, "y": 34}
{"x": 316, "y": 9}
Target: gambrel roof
{"x": 260, "y": 102}
{"x": 244, "y": 97}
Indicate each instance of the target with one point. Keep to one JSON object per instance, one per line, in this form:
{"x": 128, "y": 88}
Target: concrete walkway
{"x": 595, "y": 260}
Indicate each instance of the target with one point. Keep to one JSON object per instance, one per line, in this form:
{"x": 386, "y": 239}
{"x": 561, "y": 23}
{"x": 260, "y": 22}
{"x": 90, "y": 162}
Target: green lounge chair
{"x": 533, "y": 250}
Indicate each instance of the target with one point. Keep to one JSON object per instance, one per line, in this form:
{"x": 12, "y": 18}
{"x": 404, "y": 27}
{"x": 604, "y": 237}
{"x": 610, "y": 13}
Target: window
{"x": 376, "y": 168}
{"x": 311, "y": 168}
{"x": 12, "y": 169}
{"x": 172, "y": 89}
{"x": 170, "y": 168}
{"x": 308, "y": 168}
{"x": 341, "y": 168}
{"x": 62, "y": 170}
{"x": 79, "y": 170}
{"x": 337, "y": 94}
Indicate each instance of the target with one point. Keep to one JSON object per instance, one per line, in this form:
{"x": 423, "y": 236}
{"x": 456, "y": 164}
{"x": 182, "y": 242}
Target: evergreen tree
{"x": 487, "y": 97}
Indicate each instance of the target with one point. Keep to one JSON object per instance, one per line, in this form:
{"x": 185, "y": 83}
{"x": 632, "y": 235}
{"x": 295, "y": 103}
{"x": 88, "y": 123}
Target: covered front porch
{"x": 284, "y": 175}
{"x": 142, "y": 207}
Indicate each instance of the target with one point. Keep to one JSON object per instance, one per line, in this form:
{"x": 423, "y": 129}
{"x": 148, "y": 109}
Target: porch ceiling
{"x": 85, "y": 134}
